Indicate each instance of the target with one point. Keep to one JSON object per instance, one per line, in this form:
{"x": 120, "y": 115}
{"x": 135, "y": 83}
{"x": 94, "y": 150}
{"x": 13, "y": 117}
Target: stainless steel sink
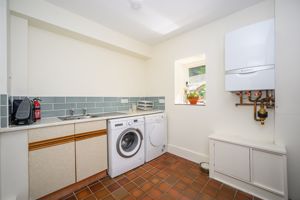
{"x": 74, "y": 117}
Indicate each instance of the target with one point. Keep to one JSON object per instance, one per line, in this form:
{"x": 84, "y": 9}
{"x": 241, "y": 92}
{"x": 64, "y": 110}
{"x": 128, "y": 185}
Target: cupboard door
{"x": 268, "y": 170}
{"x": 232, "y": 160}
{"x": 91, "y": 156}
{"x": 51, "y": 169}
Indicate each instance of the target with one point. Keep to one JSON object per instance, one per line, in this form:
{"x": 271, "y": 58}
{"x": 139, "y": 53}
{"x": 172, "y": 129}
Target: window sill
{"x": 187, "y": 104}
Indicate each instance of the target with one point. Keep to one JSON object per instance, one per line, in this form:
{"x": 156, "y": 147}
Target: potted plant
{"x": 193, "y": 97}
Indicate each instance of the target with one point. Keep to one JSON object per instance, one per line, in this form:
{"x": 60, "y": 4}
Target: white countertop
{"x": 249, "y": 142}
{"x": 54, "y": 121}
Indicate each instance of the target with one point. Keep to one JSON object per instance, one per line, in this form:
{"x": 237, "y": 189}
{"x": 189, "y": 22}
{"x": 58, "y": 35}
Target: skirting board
{"x": 187, "y": 154}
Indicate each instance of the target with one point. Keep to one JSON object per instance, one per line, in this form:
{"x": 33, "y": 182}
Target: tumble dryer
{"x": 155, "y": 135}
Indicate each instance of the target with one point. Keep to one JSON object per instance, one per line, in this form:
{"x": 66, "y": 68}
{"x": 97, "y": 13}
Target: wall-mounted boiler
{"x": 249, "y": 57}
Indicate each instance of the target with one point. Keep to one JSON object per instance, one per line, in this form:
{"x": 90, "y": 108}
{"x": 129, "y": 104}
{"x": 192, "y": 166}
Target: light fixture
{"x": 135, "y": 4}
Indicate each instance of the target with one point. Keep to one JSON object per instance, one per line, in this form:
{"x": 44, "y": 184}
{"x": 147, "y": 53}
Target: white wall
{"x": 50, "y": 14}
{"x": 287, "y": 87}
{"x": 189, "y": 126}
{"x": 3, "y": 47}
{"x": 18, "y": 68}
{"x": 60, "y": 65}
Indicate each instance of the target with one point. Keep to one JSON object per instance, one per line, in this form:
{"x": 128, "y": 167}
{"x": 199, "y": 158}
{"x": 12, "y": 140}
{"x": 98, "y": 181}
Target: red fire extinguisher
{"x": 36, "y": 109}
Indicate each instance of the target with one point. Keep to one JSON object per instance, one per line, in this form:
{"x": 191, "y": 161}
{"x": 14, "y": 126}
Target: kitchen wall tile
{"x": 95, "y": 110}
{"x": 46, "y": 106}
{"x": 100, "y": 104}
{"x": 67, "y": 106}
{"x": 95, "y": 99}
{"x": 3, "y": 122}
{"x": 53, "y": 113}
{"x": 85, "y": 105}
{"x": 134, "y": 98}
{"x": 3, "y": 99}
{"x": 111, "y": 99}
{"x": 75, "y": 99}
{"x": 45, "y": 100}
{"x": 60, "y": 106}
{"x": 110, "y": 109}
{"x": 106, "y": 104}
{"x": 123, "y": 108}
{"x": 3, "y": 111}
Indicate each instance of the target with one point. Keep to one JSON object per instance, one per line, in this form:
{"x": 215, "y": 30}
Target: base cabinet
{"x": 267, "y": 171}
{"x": 60, "y": 156}
{"x": 225, "y": 154}
{"x": 51, "y": 169}
{"x": 254, "y": 167}
{"x": 91, "y": 156}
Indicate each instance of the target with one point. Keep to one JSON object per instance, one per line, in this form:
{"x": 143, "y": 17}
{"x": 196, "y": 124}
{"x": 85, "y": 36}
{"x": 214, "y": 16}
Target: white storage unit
{"x": 249, "y": 57}
{"x": 258, "y": 168}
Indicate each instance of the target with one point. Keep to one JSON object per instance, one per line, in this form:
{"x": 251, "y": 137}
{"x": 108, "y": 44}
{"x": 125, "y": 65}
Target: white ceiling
{"x": 155, "y": 20}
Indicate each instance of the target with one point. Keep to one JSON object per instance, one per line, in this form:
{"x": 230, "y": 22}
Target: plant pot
{"x": 193, "y": 101}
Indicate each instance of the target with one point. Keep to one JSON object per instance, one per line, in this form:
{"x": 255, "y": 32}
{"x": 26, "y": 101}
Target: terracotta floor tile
{"x": 243, "y": 196}
{"x": 139, "y": 181}
{"x": 140, "y": 171}
{"x": 164, "y": 187}
{"x": 174, "y": 193}
{"x": 187, "y": 180}
{"x": 109, "y": 197}
{"x": 166, "y": 196}
{"x": 113, "y": 187}
{"x": 226, "y": 193}
{"x": 153, "y": 171}
{"x": 214, "y": 183}
{"x": 203, "y": 179}
{"x": 136, "y": 192}
{"x": 163, "y": 174}
{"x": 123, "y": 181}
{"x": 168, "y": 177}
{"x": 180, "y": 185}
{"x": 146, "y": 197}
{"x": 155, "y": 180}
{"x": 85, "y": 192}
{"x": 120, "y": 193}
{"x": 107, "y": 181}
{"x": 129, "y": 197}
{"x": 197, "y": 185}
{"x": 132, "y": 176}
{"x": 190, "y": 193}
{"x": 146, "y": 175}
{"x": 69, "y": 197}
{"x": 130, "y": 186}
{"x": 211, "y": 191}
{"x": 147, "y": 167}
{"x": 102, "y": 193}
{"x": 147, "y": 185}
{"x": 154, "y": 193}
{"x": 171, "y": 180}
{"x": 203, "y": 196}
{"x": 97, "y": 186}
{"x": 91, "y": 197}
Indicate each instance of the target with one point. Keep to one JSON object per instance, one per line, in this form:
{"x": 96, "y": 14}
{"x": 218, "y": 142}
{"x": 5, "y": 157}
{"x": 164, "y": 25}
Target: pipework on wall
{"x": 264, "y": 98}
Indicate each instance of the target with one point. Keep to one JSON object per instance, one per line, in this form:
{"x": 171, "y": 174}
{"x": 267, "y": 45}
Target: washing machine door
{"x": 129, "y": 142}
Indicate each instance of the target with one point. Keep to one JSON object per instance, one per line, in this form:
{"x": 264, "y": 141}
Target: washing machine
{"x": 126, "y": 148}
{"x": 155, "y": 135}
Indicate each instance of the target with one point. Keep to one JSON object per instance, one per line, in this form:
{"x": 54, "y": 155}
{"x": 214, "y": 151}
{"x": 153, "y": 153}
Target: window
{"x": 190, "y": 80}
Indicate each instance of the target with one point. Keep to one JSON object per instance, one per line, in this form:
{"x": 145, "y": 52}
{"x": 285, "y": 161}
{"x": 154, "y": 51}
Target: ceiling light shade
{"x": 135, "y": 4}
